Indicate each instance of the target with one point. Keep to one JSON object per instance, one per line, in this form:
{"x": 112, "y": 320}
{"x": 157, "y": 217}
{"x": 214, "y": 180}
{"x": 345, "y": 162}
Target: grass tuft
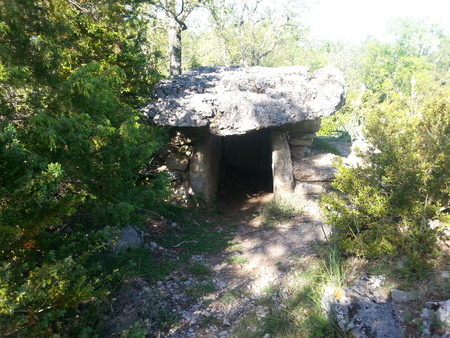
{"x": 300, "y": 313}
{"x": 200, "y": 270}
{"x": 281, "y": 209}
{"x": 237, "y": 260}
{"x": 322, "y": 144}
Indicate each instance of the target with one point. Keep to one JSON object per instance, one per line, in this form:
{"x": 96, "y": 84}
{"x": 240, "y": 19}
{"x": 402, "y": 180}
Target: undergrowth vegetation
{"x": 384, "y": 205}
{"x": 301, "y": 313}
{"x": 282, "y": 209}
{"x": 71, "y": 151}
{"x": 394, "y": 202}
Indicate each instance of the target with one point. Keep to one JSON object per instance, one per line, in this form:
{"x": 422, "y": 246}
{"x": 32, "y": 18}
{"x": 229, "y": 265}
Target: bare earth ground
{"x": 262, "y": 262}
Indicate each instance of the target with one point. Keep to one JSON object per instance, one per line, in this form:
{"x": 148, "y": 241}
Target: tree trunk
{"x": 174, "y": 32}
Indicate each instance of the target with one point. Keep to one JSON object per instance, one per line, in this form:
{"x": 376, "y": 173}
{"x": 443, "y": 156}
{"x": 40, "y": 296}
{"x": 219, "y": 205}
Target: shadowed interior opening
{"x": 247, "y": 164}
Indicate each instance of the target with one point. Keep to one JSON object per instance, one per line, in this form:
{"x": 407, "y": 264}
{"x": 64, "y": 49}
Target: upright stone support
{"x": 283, "y": 178}
{"x": 205, "y": 167}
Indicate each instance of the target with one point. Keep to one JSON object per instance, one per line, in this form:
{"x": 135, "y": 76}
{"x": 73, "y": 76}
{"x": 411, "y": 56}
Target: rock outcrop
{"x": 361, "y": 312}
{"x": 237, "y": 100}
{"x": 436, "y": 319}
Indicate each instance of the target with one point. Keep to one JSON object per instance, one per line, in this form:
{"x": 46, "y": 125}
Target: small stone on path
{"x": 226, "y": 322}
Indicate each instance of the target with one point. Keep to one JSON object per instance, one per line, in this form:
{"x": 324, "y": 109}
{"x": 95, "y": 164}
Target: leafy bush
{"x": 71, "y": 147}
{"x": 322, "y": 143}
{"x": 383, "y": 207}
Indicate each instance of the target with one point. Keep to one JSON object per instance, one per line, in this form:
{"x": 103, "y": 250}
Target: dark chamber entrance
{"x": 247, "y": 165}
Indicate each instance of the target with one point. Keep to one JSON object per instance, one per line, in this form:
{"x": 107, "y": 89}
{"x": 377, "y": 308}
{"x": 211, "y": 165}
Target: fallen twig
{"x": 184, "y": 242}
{"x": 152, "y": 212}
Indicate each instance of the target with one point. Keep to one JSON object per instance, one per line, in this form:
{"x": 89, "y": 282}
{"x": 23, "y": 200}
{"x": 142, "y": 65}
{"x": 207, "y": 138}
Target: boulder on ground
{"x": 362, "y": 312}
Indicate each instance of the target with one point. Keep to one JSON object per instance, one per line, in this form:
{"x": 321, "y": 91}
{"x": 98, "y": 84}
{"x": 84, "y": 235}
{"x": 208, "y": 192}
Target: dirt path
{"x": 260, "y": 264}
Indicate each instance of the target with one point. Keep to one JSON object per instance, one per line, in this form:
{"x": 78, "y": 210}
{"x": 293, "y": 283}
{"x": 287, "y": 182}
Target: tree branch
{"x": 78, "y": 5}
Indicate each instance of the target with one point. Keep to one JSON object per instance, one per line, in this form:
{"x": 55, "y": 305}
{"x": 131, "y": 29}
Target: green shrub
{"x": 71, "y": 147}
{"x": 382, "y": 207}
{"x": 322, "y": 143}
{"x": 44, "y": 295}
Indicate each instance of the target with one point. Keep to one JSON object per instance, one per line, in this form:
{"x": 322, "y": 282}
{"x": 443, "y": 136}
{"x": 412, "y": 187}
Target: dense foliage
{"x": 384, "y": 205}
{"x": 71, "y": 146}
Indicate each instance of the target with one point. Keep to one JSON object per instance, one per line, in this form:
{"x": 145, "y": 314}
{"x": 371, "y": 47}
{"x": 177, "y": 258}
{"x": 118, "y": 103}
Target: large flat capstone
{"x": 237, "y": 100}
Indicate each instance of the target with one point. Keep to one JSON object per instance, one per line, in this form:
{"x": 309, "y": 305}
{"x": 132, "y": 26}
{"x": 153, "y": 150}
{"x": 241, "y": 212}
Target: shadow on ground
{"x": 234, "y": 269}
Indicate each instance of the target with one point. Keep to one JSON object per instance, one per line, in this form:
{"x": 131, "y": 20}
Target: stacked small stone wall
{"x": 193, "y": 162}
{"x": 303, "y": 175}
{"x": 301, "y": 137}
{"x": 311, "y": 176}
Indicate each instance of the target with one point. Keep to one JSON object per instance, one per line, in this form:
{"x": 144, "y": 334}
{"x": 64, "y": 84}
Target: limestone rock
{"x": 177, "y": 161}
{"x": 128, "y": 237}
{"x": 297, "y": 152}
{"x": 308, "y": 126}
{"x": 302, "y": 136}
{"x": 439, "y": 311}
{"x": 399, "y": 296}
{"x": 283, "y": 180}
{"x": 165, "y": 150}
{"x": 204, "y": 170}
{"x": 297, "y": 142}
{"x": 314, "y": 188}
{"x": 361, "y": 313}
{"x": 237, "y": 100}
{"x": 315, "y": 169}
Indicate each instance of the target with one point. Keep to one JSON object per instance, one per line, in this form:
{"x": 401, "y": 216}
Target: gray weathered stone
{"x": 128, "y": 237}
{"x": 297, "y": 152}
{"x": 177, "y": 175}
{"x": 361, "y": 313}
{"x": 283, "y": 180}
{"x": 315, "y": 169}
{"x": 302, "y": 136}
{"x": 204, "y": 169}
{"x": 177, "y": 161}
{"x": 443, "y": 314}
{"x": 237, "y": 100}
{"x": 440, "y": 312}
{"x": 300, "y": 142}
{"x": 399, "y": 296}
{"x": 315, "y": 188}
{"x": 165, "y": 150}
{"x": 307, "y": 126}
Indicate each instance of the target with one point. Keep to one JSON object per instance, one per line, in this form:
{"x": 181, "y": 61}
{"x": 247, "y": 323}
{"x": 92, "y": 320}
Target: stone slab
{"x": 204, "y": 169}
{"x": 237, "y": 100}
{"x": 315, "y": 169}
